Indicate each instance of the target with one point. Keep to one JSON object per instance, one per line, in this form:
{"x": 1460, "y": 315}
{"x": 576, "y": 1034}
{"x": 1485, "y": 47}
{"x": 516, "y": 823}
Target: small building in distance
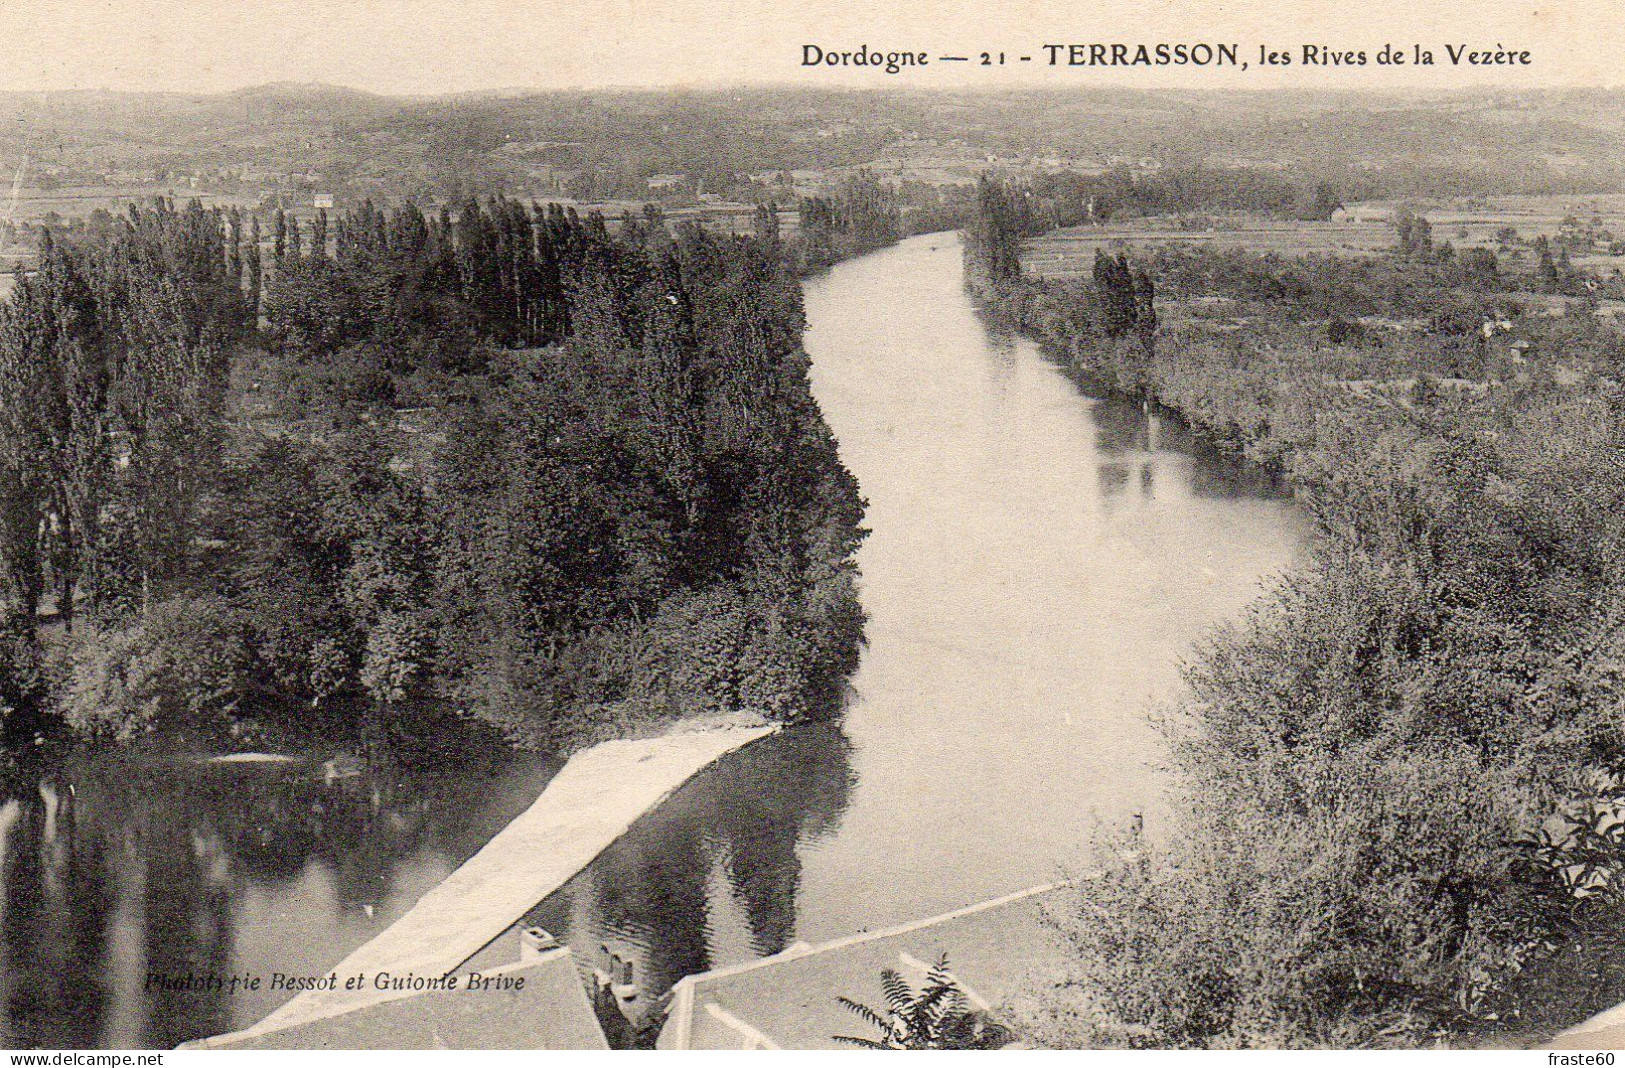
{"x": 323, "y": 200}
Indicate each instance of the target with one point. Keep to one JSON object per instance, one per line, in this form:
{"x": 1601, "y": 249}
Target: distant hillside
{"x": 609, "y": 143}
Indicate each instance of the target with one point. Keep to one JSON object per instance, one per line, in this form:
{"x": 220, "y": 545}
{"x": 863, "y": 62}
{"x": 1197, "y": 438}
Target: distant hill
{"x": 610, "y": 141}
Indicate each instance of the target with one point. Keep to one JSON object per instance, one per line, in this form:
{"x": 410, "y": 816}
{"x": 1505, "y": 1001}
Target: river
{"x": 1042, "y": 557}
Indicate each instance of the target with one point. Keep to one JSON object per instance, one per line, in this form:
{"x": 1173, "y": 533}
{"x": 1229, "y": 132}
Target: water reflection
{"x": 117, "y": 869}
{"x": 711, "y": 876}
{"x": 1043, "y": 556}
{"x": 1145, "y": 446}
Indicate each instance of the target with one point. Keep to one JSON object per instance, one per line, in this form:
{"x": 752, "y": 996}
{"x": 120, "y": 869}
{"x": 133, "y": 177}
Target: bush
{"x": 1346, "y": 872}
{"x": 1341, "y": 331}
{"x": 183, "y": 665}
{"x": 24, "y": 691}
{"x": 1383, "y": 819}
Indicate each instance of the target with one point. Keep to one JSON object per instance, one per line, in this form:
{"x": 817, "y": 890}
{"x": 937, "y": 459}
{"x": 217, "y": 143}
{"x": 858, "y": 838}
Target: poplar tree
{"x": 234, "y": 264}
{"x": 256, "y": 282}
{"x": 1115, "y": 291}
{"x": 1145, "y": 310}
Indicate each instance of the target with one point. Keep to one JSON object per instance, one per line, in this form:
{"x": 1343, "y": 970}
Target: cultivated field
{"x": 1362, "y": 229}
{"x": 1072, "y": 251}
{"x": 37, "y": 206}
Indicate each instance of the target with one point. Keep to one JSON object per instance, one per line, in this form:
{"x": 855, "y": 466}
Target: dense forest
{"x": 262, "y": 476}
{"x": 1400, "y": 775}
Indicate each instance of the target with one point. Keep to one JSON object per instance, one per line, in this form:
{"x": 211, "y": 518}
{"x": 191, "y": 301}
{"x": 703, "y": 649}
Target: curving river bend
{"x": 1041, "y": 559}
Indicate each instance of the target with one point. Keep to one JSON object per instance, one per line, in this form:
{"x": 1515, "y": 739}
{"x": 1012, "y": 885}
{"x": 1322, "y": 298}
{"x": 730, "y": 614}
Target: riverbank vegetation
{"x": 1397, "y": 781}
{"x": 861, "y": 216}
{"x": 260, "y": 477}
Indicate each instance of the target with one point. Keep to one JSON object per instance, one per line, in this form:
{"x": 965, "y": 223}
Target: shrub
{"x": 1383, "y": 821}
{"x": 938, "y": 1016}
{"x": 183, "y": 665}
{"x": 24, "y": 691}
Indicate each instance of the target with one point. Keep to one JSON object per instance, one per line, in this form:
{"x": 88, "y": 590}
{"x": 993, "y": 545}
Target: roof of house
{"x": 788, "y": 1001}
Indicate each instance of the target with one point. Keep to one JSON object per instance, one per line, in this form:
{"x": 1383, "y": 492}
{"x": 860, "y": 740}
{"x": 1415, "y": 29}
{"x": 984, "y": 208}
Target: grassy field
{"x": 1363, "y": 229}
{"x": 70, "y": 205}
{"x": 1070, "y": 252}
{"x": 1475, "y": 224}
{"x": 36, "y": 206}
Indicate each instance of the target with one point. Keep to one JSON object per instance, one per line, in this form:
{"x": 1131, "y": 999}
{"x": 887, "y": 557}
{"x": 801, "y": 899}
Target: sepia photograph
{"x": 587, "y": 525}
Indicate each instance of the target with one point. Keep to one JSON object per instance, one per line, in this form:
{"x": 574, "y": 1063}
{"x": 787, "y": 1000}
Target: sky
{"x": 448, "y": 46}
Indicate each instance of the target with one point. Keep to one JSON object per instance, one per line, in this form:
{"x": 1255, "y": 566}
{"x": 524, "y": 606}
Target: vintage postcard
{"x": 729, "y": 524}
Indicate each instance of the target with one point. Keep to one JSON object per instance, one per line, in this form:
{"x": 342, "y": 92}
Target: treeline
{"x": 1008, "y": 212}
{"x": 112, "y": 375}
{"x": 861, "y": 216}
{"x": 1394, "y": 778}
{"x": 429, "y": 288}
{"x": 620, "y": 505}
{"x": 1005, "y": 216}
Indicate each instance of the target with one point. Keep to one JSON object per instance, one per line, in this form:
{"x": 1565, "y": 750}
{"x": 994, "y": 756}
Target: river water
{"x": 1042, "y": 557}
